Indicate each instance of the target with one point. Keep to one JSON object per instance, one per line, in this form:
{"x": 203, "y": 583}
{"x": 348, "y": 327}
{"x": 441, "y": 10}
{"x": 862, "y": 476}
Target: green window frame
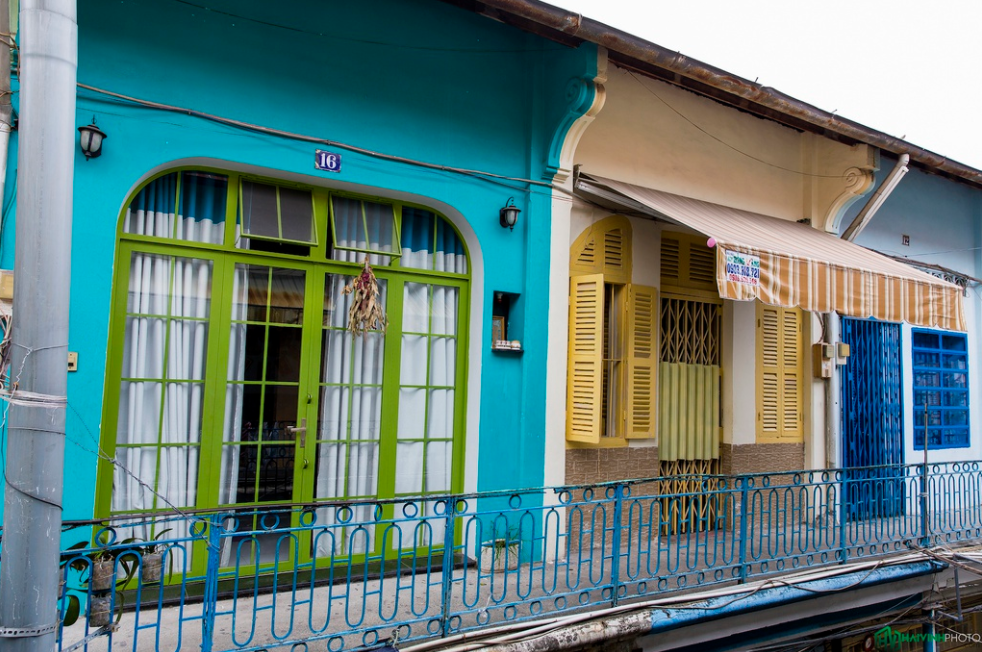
{"x": 224, "y": 253}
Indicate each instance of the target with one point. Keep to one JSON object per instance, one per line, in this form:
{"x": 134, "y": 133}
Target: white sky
{"x": 907, "y": 68}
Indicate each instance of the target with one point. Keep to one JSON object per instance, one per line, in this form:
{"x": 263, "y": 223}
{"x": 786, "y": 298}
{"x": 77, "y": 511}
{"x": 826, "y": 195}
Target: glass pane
{"x": 191, "y": 290}
{"x": 412, "y": 413}
{"x": 956, "y": 399}
{"x": 956, "y": 418}
{"x": 297, "y": 214}
{"x": 280, "y": 411}
{"x": 259, "y": 213}
{"x": 276, "y": 473}
{"x": 924, "y": 340}
{"x": 366, "y": 412}
{"x": 927, "y": 379}
{"x": 414, "y": 359}
{"x": 128, "y": 493}
{"x": 150, "y": 278}
{"x": 334, "y": 408}
{"x": 409, "y": 467}
{"x": 251, "y": 354}
{"x": 438, "y": 463}
{"x": 337, "y": 356}
{"x": 188, "y": 345}
{"x": 444, "y": 311}
{"x": 203, "y": 200}
{"x": 925, "y": 359}
{"x": 287, "y": 292}
{"x": 283, "y": 354}
{"x": 440, "y": 415}
{"x": 429, "y": 242}
{"x": 954, "y": 342}
{"x": 957, "y": 361}
{"x": 362, "y": 470}
{"x": 143, "y": 348}
{"x": 178, "y": 476}
{"x": 958, "y": 380}
{"x": 364, "y": 226}
{"x": 182, "y": 413}
{"x": 416, "y": 308}
{"x": 331, "y": 471}
{"x": 139, "y": 414}
{"x": 152, "y": 210}
{"x": 443, "y": 361}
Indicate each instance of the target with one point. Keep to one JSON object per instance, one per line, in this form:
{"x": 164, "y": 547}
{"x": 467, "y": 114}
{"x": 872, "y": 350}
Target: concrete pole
{"x": 29, "y": 574}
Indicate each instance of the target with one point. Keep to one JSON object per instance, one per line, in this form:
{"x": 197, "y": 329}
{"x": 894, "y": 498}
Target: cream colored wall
{"x": 714, "y": 153}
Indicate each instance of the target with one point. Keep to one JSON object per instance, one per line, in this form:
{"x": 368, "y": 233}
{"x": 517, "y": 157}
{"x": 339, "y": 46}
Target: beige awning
{"x": 784, "y": 263}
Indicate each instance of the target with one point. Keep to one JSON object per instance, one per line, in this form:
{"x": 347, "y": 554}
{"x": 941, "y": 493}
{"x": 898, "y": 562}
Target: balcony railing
{"x": 355, "y": 574}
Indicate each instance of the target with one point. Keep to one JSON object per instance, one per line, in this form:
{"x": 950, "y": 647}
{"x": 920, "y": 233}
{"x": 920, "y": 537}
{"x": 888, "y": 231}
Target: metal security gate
{"x": 872, "y": 419}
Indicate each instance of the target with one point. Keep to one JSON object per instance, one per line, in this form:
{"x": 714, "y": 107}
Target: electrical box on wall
{"x": 823, "y": 356}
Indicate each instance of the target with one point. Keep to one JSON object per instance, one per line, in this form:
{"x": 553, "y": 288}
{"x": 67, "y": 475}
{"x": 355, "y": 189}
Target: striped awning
{"x": 787, "y": 264}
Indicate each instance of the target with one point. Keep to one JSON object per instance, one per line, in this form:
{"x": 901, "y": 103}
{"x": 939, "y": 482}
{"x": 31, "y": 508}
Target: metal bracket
{"x": 26, "y": 632}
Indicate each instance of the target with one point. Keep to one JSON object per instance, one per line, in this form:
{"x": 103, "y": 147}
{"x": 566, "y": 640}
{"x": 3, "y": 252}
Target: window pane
{"x": 362, "y": 229}
{"x": 203, "y": 199}
{"x": 260, "y": 216}
{"x": 297, "y": 214}
{"x": 152, "y": 210}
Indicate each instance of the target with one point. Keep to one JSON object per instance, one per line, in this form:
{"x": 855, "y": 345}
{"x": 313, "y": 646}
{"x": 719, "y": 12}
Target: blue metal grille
{"x": 872, "y": 417}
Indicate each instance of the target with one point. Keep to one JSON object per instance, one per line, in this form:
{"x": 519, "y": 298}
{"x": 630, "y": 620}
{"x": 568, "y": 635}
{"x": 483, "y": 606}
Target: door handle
{"x": 302, "y": 431}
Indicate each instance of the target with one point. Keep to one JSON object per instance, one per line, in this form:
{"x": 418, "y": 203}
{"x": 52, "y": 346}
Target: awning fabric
{"x": 787, "y": 264}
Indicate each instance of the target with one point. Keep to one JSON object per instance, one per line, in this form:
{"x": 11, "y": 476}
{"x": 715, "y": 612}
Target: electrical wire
{"x": 317, "y": 140}
{"x": 719, "y": 140}
{"x": 348, "y": 39}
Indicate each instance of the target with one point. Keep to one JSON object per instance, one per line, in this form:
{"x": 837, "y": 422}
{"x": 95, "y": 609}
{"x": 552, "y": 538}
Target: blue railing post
{"x": 615, "y": 562}
{"x": 210, "y": 602}
{"x": 446, "y": 582}
{"x": 843, "y": 494}
{"x": 744, "y": 510}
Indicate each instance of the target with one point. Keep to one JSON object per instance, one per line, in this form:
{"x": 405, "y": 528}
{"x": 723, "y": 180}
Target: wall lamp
{"x": 508, "y": 215}
{"x": 90, "y": 138}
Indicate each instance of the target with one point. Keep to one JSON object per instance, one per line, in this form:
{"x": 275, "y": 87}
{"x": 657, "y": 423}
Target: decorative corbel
{"x": 858, "y": 182}
{"x": 585, "y": 98}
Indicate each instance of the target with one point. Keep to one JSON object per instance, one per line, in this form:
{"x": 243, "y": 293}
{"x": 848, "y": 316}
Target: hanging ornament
{"x": 366, "y": 312}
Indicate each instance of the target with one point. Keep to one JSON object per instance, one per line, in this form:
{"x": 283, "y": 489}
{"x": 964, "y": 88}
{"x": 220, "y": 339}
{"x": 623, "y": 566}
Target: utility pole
{"x": 29, "y": 573}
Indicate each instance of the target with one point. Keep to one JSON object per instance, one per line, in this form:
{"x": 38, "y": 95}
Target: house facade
{"x": 251, "y": 167}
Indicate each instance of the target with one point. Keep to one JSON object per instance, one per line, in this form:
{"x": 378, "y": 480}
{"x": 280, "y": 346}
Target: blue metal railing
{"x": 355, "y": 574}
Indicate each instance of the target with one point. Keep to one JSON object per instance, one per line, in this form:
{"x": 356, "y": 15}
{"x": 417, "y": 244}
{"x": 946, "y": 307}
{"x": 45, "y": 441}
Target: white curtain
{"x": 351, "y": 414}
{"x": 160, "y": 405}
{"x": 424, "y": 450}
{"x": 363, "y": 225}
{"x": 202, "y": 218}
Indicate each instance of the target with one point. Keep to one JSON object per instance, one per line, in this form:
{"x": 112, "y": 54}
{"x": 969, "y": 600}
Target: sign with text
{"x": 742, "y": 268}
{"x": 327, "y": 161}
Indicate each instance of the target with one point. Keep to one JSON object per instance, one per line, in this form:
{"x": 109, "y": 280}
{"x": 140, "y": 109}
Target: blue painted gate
{"x": 872, "y": 419}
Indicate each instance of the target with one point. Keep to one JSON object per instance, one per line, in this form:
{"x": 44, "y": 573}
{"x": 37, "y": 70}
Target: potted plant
{"x": 501, "y": 551}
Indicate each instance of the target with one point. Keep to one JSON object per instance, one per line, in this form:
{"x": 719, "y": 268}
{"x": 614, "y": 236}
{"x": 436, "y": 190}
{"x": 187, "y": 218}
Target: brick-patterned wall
{"x": 592, "y": 465}
{"x": 760, "y": 458}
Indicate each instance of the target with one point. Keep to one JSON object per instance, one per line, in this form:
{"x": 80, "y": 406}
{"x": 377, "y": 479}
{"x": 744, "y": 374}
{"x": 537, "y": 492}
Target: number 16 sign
{"x": 327, "y": 161}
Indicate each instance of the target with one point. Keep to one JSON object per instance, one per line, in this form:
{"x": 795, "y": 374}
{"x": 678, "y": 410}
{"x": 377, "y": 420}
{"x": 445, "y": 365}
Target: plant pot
{"x": 152, "y": 568}
{"x": 99, "y": 611}
{"x": 102, "y": 574}
{"x": 499, "y": 555}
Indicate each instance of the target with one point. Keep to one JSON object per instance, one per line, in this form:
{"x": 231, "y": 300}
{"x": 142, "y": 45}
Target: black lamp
{"x": 90, "y": 138}
{"x": 508, "y": 215}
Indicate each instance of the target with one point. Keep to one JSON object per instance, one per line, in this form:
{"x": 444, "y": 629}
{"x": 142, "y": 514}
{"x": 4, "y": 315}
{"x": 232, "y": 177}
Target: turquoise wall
{"x": 412, "y": 78}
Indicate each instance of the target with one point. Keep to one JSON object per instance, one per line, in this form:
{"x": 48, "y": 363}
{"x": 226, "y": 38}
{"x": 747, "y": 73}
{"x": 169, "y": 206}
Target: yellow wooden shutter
{"x": 617, "y": 250}
{"x": 642, "y": 350}
{"x": 584, "y": 386}
{"x": 779, "y": 373}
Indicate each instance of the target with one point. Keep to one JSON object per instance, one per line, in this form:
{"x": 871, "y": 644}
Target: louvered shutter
{"x": 779, "y": 400}
{"x": 686, "y": 262}
{"x": 617, "y": 253}
{"x": 642, "y": 349}
{"x": 584, "y": 259}
{"x": 584, "y": 386}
